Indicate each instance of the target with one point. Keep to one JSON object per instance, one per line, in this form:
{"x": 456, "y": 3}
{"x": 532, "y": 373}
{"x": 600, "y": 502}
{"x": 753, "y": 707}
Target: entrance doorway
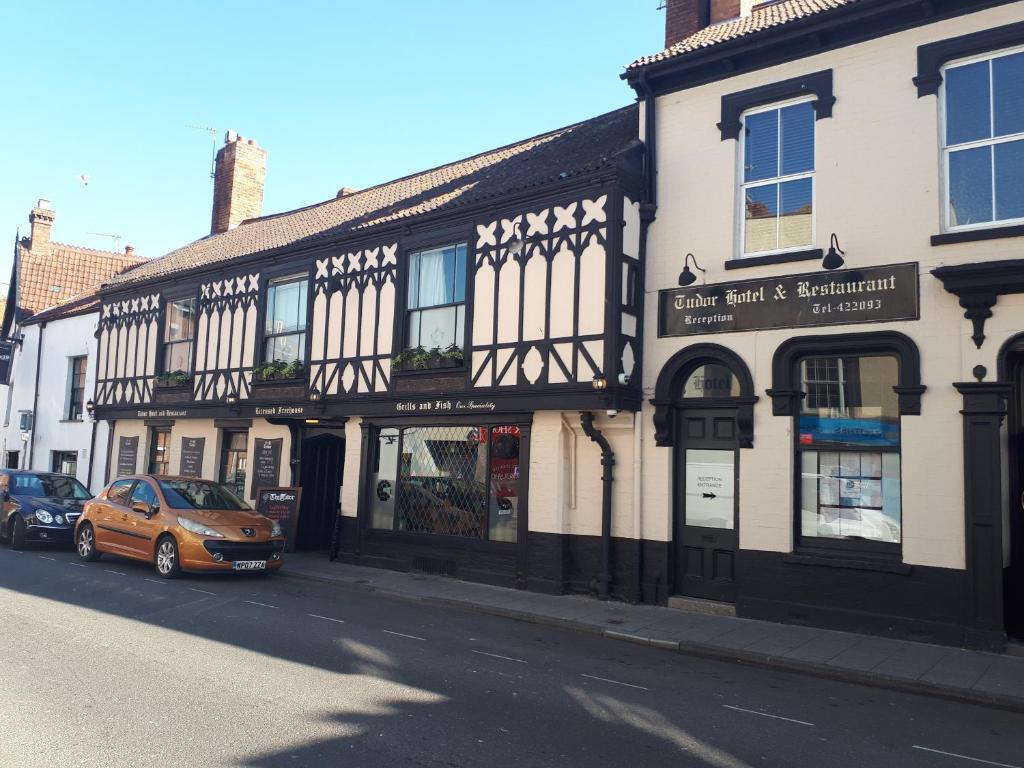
{"x": 1013, "y": 581}
{"x": 707, "y": 503}
{"x": 321, "y": 478}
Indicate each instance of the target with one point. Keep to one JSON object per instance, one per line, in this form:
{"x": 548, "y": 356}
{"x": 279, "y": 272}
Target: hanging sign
{"x": 843, "y": 297}
{"x": 192, "y": 456}
{"x": 282, "y": 506}
{"x": 6, "y": 356}
{"x": 267, "y": 463}
{"x": 127, "y": 455}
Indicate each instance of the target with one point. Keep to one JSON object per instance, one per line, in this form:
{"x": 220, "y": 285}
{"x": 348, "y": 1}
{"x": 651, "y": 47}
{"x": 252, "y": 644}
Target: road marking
{"x": 325, "y": 618}
{"x": 765, "y": 714}
{"x": 964, "y": 757}
{"x": 79, "y": 565}
{"x": 262, "y": 605}
{"x": 402, "y": 634}
{"x": 156, "y": 581}
{"x": 44, "y": 557}
{"x": 607, "y": 680}
{"x": 203, "y": 591}
{"x": 115, "y": 572}
{"x": 497, "y": 656}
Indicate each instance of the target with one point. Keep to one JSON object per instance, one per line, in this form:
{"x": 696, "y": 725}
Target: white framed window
{"x": 776, "y": 178}
{"x": 436, "y": 306}
{"x": 983, "y": 141}
{"x": 284, "y": 330}
{"x": 179, "y": 331}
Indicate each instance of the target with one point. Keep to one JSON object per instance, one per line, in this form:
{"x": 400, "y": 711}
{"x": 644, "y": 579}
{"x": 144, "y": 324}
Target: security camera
{"x": 612, "y": 413}
{"x": 623, "y": 379}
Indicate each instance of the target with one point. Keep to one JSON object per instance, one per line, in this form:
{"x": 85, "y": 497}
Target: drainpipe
{"x": 638, "y": 505}
{"x": 35, "y": 397}
{"x": 607, "y": 462}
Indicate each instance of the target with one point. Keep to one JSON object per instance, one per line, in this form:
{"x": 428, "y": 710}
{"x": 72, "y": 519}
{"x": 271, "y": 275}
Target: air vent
{"x": 434, "y": 565}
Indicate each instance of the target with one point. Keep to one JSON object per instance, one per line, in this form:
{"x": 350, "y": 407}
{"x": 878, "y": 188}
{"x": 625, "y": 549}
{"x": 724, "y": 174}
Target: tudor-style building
{"x": 441, "y": 362}
{"x": 834, "y": 359}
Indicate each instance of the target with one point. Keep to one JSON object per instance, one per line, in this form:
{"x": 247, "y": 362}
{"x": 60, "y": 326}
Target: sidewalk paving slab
{"x": 965, "y": 675}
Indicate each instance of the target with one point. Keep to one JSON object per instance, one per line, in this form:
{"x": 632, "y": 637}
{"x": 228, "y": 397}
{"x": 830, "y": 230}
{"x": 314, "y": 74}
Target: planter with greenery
{"x": 172, "y": 379}
{"x": 279, "y": 371}
{"x": 421, "y": 359}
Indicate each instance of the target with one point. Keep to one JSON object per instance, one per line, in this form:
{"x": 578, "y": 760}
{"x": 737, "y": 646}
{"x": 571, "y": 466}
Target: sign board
{"x": 843, "y": 297}
{"x": 6, "y": 356}
{"x": 192, "y": 456}
{"x": 282, "y": 506}
{"x": 711, "y": 488}
{"x": 267, "y": 462}
{"x": 127, "y": 455}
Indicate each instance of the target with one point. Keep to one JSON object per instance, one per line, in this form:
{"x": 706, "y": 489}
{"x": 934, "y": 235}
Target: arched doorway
{"x": 704, "y": 411}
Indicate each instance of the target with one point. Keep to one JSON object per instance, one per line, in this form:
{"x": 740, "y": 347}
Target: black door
{"x": 323, "y": 462}
{"x": 706, "y": 503}
{"x": 1013, "y": 584}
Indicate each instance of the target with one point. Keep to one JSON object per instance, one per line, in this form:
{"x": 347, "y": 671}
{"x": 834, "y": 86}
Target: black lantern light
{"x": 90, "y": 408}
{"x": 687, "y": 277}
{"x": 834, "y": 258}
{"x": 315, "y": 396}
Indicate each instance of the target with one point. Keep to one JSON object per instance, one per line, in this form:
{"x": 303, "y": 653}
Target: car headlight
{"x": 199, "y": 528}
{"x": 275, "y": 528}
{"x": 43, "y": 516}
{"x": 59, "y": 519}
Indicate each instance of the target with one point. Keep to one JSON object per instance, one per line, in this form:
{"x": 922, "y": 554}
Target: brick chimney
{"x": 686, "y": 17}
{"x": 241, "y": 168}
{"x": 41, "y": 219}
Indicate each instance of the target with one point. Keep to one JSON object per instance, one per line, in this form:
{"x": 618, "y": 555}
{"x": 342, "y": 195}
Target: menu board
{"x": 281, "y": 505}
{"x": 192, "y": 456}
{"x": 127, "y": 455}
{"x": 267, "y": 463}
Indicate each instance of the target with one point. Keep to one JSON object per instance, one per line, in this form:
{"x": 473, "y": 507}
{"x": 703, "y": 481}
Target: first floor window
{"x": 76, "y": 388}
{"x": 13, "y": 459}
{"x": 284, "y": 331}
{"x": 179, "y": 331}
{"x": 849, "y": 451}
{"x": 447, "y": 480}
{"x": 777, "y": 182}
{"x": 65, "y": 462}
{"x": 984, "y": 140}
{"x": 234, "y": 460}
{"x": 160, "y": 451}
{"x": 437, "y": 298}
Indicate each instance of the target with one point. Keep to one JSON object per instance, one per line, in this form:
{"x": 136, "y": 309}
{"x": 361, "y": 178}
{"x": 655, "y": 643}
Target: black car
{"x": 39, "y": 507}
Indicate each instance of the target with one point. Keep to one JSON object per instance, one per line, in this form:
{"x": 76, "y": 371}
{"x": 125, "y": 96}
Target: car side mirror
{"x": 144, "y": 509}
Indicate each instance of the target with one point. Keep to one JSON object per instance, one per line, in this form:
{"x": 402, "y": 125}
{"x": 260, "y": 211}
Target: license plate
{"x": 249, "y": 565}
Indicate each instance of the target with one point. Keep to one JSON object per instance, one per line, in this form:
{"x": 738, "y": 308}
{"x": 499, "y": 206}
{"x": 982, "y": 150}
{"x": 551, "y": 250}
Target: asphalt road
{"x": 103, "y": 664}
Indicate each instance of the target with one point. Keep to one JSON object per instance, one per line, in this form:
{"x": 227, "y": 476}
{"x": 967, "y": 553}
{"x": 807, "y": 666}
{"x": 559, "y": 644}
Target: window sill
{"x": 851, "y": 562}
{"x": 440, "y": 370}
{"x": 978, "y": 235}
{"x": 71, "y": 421}
{"x": 775, "y": 258}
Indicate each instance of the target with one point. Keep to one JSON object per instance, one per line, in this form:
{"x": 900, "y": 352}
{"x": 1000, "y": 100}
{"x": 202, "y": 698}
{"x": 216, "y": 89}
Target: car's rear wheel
{"x": 85, "y": 543}
{"x": 18, "y": 532}
{"x": 168, "y": 565}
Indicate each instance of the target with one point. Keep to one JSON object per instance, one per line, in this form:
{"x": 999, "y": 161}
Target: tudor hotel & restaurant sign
{"x": 843, "y": 297}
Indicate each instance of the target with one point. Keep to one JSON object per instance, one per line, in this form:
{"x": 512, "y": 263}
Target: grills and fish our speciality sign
{"x": 868, "y": 295}
{"x": 282, "y": 506}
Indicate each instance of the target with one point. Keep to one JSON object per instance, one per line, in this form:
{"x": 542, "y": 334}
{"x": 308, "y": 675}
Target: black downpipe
{"x": 607, "y": 462}
{"x": 35, "y": 396}
{"x": 92, "y": 451}
{"x": 111, "y": 424}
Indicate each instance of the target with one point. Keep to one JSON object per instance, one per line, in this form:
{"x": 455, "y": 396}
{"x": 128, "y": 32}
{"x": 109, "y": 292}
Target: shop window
{"x": 447, "y": 480}
{"x": 849, "y": 452}
{"x": 983, "y": 146}
{"x": 436, "y": 309}
{"x": 179, "y": 332}
{"x": 160, "y": 451}
{"x": 76, "y": 388}
{"x": 234, "y": 461}
{"x": 65, "y": 462}
{"x": 777, "y": 179}
{"x": 284, "y": 332}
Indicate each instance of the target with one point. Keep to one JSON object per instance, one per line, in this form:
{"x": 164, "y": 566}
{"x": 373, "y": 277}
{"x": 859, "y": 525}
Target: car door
{"x": 112, "y": 518}
{"x": 141, "y": 530}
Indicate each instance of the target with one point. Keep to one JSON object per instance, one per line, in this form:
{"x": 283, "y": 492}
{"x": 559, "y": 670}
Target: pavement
{"x": 108, "y": 666}
{"x": 963, "y": 675}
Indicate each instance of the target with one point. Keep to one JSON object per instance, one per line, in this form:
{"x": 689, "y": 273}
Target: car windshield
{"x": 199, "y": 494}
{"x": 48, "y": 486}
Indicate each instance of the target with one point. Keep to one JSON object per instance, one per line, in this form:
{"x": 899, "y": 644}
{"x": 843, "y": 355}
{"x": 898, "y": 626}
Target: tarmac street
{"x": 107, "y": 665}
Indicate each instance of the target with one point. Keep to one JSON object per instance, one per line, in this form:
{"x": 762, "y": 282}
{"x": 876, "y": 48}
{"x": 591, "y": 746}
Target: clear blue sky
{"x": 345, "y": 93}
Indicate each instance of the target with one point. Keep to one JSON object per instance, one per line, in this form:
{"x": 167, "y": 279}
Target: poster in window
{"x": 267, "y": 468}
{"x": 127, "y": 455}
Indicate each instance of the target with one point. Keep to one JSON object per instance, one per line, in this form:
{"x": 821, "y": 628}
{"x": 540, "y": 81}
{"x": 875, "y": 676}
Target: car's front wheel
{"x": 85, "y": 543}
{"x": 18, "y": 531}
{"x": 167, "y": 561}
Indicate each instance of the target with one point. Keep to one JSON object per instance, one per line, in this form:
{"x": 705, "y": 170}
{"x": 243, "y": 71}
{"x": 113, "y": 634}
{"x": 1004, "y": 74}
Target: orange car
{"x": 178, "y": 524}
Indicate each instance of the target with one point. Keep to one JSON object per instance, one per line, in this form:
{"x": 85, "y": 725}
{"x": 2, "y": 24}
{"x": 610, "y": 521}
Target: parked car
{"x": 178, "y": 524}
{"x": 39, "y": 507}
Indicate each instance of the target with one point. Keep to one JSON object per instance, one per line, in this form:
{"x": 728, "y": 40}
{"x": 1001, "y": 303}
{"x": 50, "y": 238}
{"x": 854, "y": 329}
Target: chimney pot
{"x": 346, "y": 191}
{"x": 129, "y": 250}
{"x": 43, "y": 203}
{"x": 239, "y": 172}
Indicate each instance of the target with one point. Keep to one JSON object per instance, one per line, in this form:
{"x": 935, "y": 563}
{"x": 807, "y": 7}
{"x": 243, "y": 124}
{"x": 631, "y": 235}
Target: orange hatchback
{"x": 178, "y": 524}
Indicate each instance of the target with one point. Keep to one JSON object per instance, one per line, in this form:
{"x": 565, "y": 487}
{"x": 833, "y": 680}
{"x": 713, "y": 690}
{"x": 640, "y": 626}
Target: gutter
{"x": 35, "y": 396}
{"x": 607, "y": 463}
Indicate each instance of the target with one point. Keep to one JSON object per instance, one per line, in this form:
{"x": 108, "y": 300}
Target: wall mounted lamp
{"x": 834, "y": 258}
{"x": 315, "y": 396}
{"x": 600, "y": 383}
{"x": 687, "y": 277}
{"x": 90, "y": 408}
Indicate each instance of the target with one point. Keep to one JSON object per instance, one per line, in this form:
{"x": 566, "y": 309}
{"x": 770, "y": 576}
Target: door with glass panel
{"x": 706, "y": 503}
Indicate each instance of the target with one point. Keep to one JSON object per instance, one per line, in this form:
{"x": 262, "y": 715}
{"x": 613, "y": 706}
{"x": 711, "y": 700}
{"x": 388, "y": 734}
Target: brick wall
{"x": 685, "y": 17}
{"x": 723, "y": 10}
{"x": 241, "y": 169}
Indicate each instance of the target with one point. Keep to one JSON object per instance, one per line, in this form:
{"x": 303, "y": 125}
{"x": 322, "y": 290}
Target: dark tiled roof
{"x": 63, "y": 272}
{"x": 766, "y": 16}
{"x": 78, "y": 305}
{"x": 571, "y": 151}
